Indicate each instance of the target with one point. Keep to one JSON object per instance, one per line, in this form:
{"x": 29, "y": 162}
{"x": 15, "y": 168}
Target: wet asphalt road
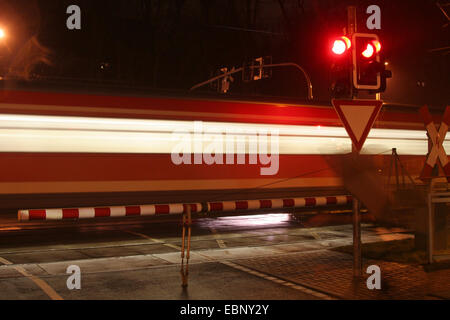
{"x": 140, "y": 258}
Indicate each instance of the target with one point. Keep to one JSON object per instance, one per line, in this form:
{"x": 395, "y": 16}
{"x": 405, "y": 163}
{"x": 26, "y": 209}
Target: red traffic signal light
{"x": 369, "y": 51}
{"x": 341, "y": 45}
{"x": 372, "y": 48}
{"x": 338, "y": 47}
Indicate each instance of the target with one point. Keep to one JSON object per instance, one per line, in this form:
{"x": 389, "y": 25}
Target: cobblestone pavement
{"x": 330, "y": 272}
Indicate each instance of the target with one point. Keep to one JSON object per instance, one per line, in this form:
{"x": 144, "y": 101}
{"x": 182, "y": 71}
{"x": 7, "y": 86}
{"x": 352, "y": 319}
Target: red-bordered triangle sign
{"x": 358, "y": 117}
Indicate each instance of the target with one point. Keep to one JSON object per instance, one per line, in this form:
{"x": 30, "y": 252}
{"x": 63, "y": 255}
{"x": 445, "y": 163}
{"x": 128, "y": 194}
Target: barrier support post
{"x": 185, "y": 249}
{"x": 357, "y": 255}
{"x": 356, "y": 218}
{"x": 430, "y": 222}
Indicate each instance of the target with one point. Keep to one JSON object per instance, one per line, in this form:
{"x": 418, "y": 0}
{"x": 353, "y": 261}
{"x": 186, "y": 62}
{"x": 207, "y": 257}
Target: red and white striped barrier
{"x": 161, "y": 209}
{"x": 278, "y": 203}
{"x": 117, "y": 211}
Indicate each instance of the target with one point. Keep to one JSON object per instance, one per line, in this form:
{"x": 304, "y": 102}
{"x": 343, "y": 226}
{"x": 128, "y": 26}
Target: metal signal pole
{"x": 357, "y": 254}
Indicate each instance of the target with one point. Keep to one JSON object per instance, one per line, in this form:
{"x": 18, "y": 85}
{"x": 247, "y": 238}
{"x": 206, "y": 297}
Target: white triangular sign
{"x": 357, "y": 117}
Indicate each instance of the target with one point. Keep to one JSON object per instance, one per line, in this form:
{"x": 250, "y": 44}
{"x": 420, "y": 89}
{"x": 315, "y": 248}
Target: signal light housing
{"x": 341, "y": 82}
{"x": 357, "y": 65}
{"x": 367, "y": 65}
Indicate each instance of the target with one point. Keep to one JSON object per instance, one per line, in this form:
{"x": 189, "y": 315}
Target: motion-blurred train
{"x": 77, "y": 149}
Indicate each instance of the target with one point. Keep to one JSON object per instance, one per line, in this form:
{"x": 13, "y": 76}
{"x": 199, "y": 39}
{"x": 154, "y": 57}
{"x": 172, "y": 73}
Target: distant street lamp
{"x": 2, "y": 68}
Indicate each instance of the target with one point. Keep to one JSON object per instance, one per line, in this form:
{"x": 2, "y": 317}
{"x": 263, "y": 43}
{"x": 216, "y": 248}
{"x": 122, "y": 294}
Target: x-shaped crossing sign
{"x": 437, "y": 138}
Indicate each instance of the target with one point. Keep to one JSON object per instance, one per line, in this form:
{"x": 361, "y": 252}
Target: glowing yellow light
{"x": 377, "y": 45}
{"x": 2, "y": 33}
{"x": 347, "y": 41}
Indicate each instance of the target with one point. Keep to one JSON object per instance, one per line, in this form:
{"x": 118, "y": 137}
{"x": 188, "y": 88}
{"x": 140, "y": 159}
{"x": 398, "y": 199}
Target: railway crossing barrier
{"x": 179, "y": 208}
{"x": 185, "y": 210}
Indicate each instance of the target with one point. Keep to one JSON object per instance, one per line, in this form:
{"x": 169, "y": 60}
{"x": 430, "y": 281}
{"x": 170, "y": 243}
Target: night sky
{"x": 174, "y": 44}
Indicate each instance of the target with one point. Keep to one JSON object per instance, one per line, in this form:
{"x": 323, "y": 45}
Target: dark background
{"x": 174, "y": 44}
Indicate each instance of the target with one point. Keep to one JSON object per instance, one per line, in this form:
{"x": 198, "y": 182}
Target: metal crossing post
{"x": 185, "y": 250}
{"x": 357, "y": 254}
{"x": 351, "y": 29}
